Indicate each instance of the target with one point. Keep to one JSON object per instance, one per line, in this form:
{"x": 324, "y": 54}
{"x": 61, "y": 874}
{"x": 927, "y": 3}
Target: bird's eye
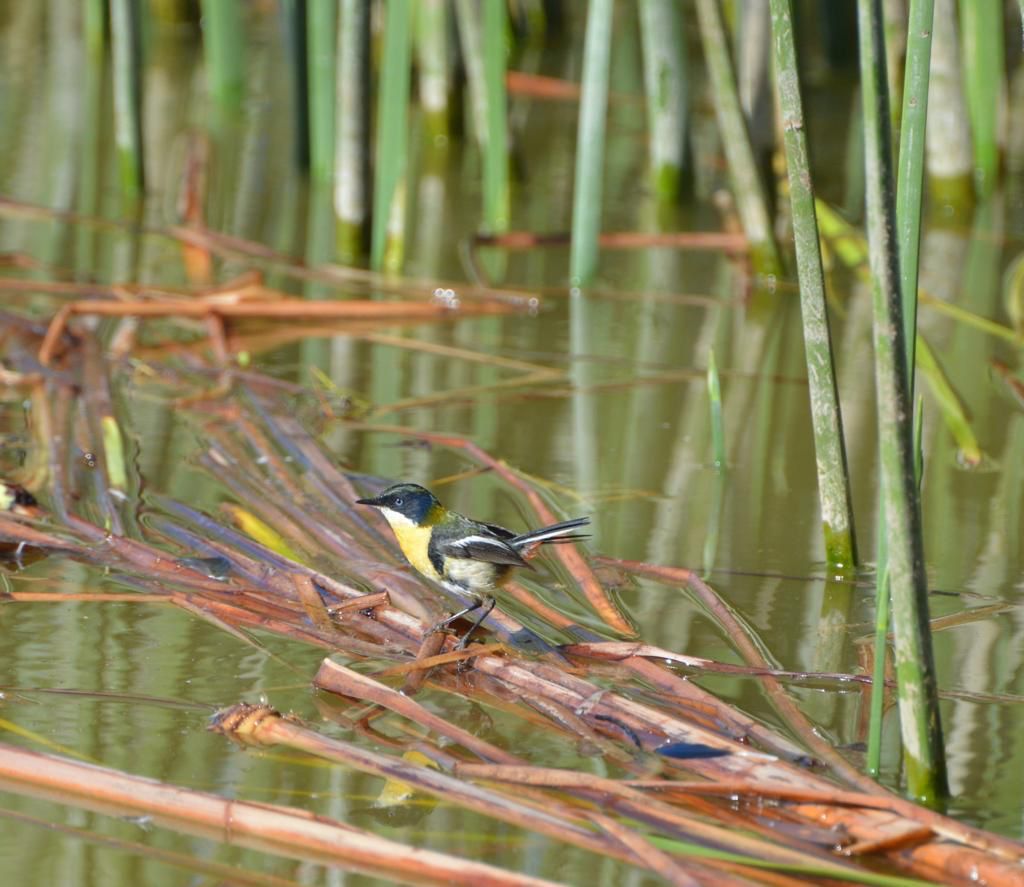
{"x": 399, "y": 501}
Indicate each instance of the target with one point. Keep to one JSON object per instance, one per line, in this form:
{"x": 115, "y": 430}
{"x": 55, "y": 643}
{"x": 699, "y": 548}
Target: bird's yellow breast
{"x": 414, "y": 542}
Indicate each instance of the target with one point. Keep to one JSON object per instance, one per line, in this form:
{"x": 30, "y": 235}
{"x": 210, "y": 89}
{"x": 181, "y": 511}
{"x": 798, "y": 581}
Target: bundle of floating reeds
{"x": 688, "y": 768}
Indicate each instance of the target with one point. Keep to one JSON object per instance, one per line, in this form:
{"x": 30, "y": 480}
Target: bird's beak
{"x": 373, "y": 502}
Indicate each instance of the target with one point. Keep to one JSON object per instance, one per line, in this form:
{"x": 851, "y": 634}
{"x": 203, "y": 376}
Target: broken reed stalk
{"x": 126, "y": 50}
{"x": 267, "y": 828}
{"x": 223, "y": 36}
{"x": 321, "y": 28}
{"x": 748, "y": 189}
{"x": 666, "y": 89}
{"x": 354, "y": 309}
{"x": 262, "y": 725}
{"x": 392, "y": 137}
{"x": 921, "y": 727}
{"x": 590, "y": 134}
{"x": 352, "y": 121}
{"x": 826, "y": 415}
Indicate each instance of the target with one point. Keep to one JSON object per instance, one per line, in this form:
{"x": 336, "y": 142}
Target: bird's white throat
{"x": 397, "y": 519}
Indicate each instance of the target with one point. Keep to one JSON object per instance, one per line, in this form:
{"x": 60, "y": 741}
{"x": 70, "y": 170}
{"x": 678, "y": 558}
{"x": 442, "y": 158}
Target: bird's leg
{"x": 444, "y": 623}
{"x": 488, "y": 604}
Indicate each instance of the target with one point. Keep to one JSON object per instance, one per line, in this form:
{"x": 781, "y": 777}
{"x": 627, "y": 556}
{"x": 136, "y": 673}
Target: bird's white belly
{"x": 478, "y": 576}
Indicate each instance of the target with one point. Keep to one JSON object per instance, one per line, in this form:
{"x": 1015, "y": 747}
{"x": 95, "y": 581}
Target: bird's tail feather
{"x": 561, "y": 532}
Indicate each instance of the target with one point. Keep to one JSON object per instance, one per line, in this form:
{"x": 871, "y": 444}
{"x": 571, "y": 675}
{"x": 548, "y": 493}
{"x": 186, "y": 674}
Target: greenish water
{"x": 622, "y": 432}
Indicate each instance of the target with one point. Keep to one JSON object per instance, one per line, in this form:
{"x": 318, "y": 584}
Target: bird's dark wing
{"x": 482, "y": 546}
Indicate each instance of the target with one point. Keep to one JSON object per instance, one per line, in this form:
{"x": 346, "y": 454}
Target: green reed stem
{"x": 983, "y": 36}
{"x": 126, "y": 52}
{"x": 223, "y": 36}
{"x": 915, "y": 667}
{"x": 94, "y": 26}
{"x": 589, "y": 173}
{"x": 496, "y": 192}
{"x": 910, "y": 180}
{"x": 321, "y": 32}
{"x": 826, "y": 416}
{"x": 293, "y": 15}
{"x": 352, "y": 119}
{"x": 392, "y": 132}
{"x": 715, "y": 403}
{"x": 909, "y": 188}
{"x": 471, "y": 43}
{"x": 433, "y": 18}
{"x": 664, "y": 51}
{"x": 748, "y": 189}
{"x": 873, "y": 760}
{"x": 949, "y": 142}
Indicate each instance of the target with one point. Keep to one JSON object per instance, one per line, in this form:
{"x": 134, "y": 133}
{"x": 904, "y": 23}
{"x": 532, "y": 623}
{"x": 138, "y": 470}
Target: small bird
{"x": 17, "y": 500}
{"x": 464, "y": 555}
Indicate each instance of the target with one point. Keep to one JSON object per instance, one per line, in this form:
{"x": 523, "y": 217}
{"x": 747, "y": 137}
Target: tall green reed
{"x": 665, "y": 85}
{"x": 909, "y": 189}
{"x": 748, "y": 189}
{"x": 223, "y": 52}
{"x": 126, "y": 50}
{"x": 587, "y": 189}
{"x": 915, "y": 668}
{"x": 826, "y": 416}
{"x": 496, "y": 184}
{"x": 388, "y": 225}
{"x": 948, "y": 146}
{"x": 321, "y": 25}
{"x": 433, "y": 65}
{"x": 352, "y": 121}
{"x": 983, "y": 57}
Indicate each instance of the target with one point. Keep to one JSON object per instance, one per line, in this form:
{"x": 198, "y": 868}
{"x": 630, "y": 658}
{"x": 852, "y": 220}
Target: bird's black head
{"x": 412, "y": 501}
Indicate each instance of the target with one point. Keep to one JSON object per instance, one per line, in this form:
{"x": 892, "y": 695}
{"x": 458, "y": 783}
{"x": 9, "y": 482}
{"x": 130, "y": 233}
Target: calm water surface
{"x": 622, "y": 433}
